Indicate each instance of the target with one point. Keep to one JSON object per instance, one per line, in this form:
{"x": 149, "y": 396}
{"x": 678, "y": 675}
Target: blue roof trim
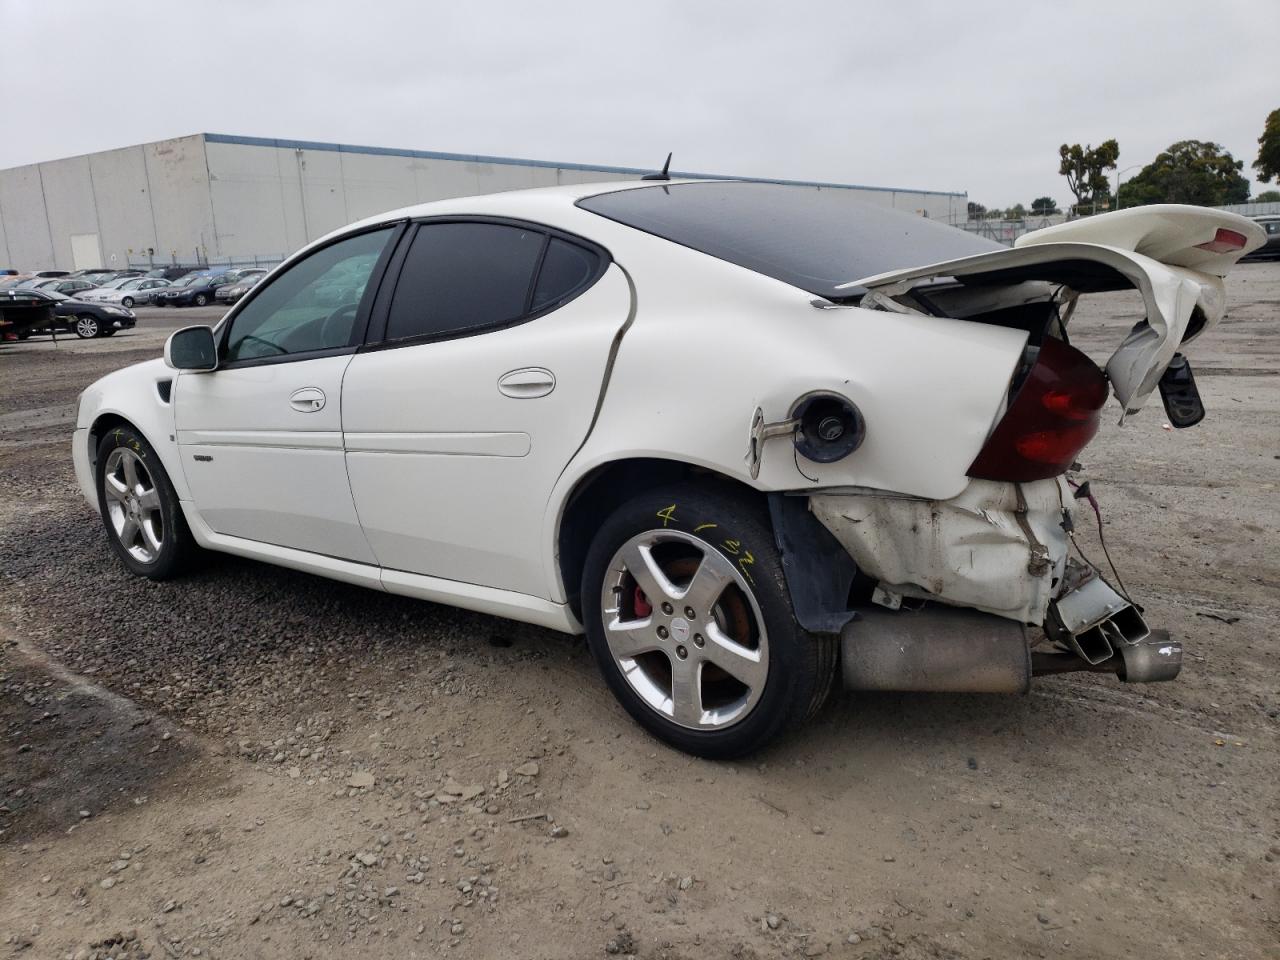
{"x": 520, "y": 162}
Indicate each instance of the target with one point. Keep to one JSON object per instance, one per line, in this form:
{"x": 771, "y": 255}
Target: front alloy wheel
{"x": 201, "y": 299}
{"x": 140, "y": 510}
{"x": 689, "y": 618}
{"x": 87, "y": 327}
{"x": 133, "y": 505}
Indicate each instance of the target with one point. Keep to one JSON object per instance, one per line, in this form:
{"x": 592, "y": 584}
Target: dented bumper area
{"x": 1000, "y": 548}
{"x": 993, "y": 562}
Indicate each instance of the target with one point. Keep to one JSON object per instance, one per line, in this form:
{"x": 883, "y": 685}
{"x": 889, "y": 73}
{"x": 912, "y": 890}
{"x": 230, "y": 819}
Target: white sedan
{"x": 746, "y": 436}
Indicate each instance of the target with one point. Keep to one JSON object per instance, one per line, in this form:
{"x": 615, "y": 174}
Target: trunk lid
{"x": 1174, "y": 255}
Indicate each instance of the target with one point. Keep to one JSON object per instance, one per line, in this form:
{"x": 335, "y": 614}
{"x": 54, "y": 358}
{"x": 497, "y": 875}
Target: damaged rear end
{"x": 981, "y": 591}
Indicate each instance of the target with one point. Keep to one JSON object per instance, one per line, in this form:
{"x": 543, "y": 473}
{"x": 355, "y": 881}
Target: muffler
{"x": 936, "y": 649}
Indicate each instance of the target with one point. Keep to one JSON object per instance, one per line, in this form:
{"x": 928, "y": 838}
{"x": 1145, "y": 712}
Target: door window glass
{"x": 463, "y": 276}
{"x": 312, "y": 305}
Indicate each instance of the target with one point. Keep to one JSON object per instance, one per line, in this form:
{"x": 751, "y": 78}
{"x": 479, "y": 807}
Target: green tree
{"x": 1016, "y": 212}
{"x": 1268, "y": 196}
{"x": 1044, "y": 206}
{"x": 1085, "y": 169}
{"x": 1268, "y": 162}
{"x": 976, "y": 211}
{"x": 1189, "y": 171}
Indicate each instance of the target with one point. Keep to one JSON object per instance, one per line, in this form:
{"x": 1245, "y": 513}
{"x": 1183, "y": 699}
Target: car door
{"x": 261, "y": 436}
{"x": 492, "y": 354}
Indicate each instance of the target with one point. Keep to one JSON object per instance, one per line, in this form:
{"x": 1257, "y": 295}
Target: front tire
{"x": 87, "y": 327}
{"x": 127, "y": 303}
{"x": 139, "y": 507}
{"x": 201, "y": 300}
{"x": 689, "y": 619}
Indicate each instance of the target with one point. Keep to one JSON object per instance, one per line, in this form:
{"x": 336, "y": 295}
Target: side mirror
{"x": 191, "y": 348}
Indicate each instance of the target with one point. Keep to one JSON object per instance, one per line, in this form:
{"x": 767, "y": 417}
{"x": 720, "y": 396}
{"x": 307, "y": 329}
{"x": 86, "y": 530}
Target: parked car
{"x": 194, "y": 290}
{"x": 69, "y": 288}
{"x": 745, "y": 436}
{"x": 127, "y": 291}
{"x": 85, "y": 320}
{"x": 231, "y": 292}
{"x": 21, "y": 312}
{"x": 1270, "y": 223}
{"x": 170, "y": 273}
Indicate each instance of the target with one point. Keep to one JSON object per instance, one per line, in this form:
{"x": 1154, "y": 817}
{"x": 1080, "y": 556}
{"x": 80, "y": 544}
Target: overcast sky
{"x": 968, "y": 96}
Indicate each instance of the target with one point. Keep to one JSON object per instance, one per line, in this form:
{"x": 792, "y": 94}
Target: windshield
{"x": 116, "y": 284}
{"x": 131, "y": 283}
{"x": 814, "y": 239}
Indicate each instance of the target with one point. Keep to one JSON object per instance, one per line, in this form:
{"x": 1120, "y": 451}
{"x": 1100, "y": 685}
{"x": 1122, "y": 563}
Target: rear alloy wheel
{"x": 689, "y": 619}
{"x": 139, "y": 507}
{"x": 87, "y": 327}
{"x": 201, "y": 299}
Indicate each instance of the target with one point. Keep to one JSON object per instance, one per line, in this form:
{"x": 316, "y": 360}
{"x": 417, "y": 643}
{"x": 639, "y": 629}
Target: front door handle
{"x": 527, "y": 383}
{"x": 307, "y": 400}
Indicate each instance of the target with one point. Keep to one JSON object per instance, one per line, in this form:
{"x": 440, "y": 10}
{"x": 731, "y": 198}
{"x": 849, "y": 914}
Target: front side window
{"x": 312, "y": 305}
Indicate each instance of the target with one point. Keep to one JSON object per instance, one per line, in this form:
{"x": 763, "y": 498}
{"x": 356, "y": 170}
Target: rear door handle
{"x": 527, "y": 383}
{"x": 307, "y": 400}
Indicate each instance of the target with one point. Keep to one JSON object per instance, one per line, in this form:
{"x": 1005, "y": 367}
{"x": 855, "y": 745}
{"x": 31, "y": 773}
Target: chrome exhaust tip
{"x": 1154, "y": 660}
{"x": 1095, "y": 622}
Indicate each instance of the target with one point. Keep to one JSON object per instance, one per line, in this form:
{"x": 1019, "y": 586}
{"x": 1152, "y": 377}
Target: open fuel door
{"x": 1174, "y": 255}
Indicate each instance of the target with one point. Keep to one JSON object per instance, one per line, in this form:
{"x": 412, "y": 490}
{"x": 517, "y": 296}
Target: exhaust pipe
{"x": 1153, "y": 660}
{"x": 935, "y": 649}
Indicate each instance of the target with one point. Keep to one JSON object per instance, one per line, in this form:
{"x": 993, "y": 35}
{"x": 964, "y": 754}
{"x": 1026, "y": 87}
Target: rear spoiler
{"x": 1174, "y": 255}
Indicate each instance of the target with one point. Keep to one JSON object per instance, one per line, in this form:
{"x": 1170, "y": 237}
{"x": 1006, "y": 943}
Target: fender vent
{"x": 164, "y": 388}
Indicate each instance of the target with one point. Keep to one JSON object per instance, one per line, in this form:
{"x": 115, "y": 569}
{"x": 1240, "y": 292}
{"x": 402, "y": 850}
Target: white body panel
{"x": 450, "y": 475}
{"x": 260, "y": 469}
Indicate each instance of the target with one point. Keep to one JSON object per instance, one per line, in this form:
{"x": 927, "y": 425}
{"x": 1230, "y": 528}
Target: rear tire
{"x": 707, "y": 657}
{"x": 144, "y": 521}
{"x": 87, "y": 326}
{"x": 201, "y": 300}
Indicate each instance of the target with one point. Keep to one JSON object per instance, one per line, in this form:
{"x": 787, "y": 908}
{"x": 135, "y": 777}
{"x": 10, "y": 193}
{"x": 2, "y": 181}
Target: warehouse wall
{"x": 221, "y": 197}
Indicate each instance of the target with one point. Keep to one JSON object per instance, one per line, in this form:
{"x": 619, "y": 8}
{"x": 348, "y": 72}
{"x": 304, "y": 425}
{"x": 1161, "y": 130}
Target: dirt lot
{"x": 252, "y": 762}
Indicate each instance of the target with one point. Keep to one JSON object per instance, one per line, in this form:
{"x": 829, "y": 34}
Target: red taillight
{"x": 1224, "y": 241}
{"x": 1053, "y": 417}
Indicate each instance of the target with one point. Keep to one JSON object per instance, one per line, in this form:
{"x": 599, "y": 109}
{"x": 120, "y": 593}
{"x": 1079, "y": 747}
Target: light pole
{"x": 1119, "y": 174}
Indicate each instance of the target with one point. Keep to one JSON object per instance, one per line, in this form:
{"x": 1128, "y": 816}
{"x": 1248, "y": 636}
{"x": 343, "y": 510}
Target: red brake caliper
{"x": 641, "y": 603}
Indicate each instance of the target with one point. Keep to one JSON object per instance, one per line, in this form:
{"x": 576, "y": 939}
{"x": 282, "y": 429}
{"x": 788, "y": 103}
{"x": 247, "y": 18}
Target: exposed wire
{"x": 795, "y": 453}
{"x": 1082, "y": 492}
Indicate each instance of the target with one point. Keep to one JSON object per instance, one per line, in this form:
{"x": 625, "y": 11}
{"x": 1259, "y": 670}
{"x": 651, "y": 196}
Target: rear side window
{"x": 459, "y": 276}
{"x": 565, "y": 268}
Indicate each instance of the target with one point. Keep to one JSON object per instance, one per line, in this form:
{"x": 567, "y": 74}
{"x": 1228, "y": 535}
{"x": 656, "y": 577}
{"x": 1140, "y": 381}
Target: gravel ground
{"x": 252, "y": 762}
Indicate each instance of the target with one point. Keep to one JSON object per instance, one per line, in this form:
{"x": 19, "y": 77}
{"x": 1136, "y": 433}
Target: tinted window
{"x": 812, "y": 238}
{"x": 565, "y": 268}
{"x": 312, "y": 305}
{"x": 461, "y": 276}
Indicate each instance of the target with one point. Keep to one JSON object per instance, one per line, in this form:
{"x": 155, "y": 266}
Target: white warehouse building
{"x": 211, "y": 198}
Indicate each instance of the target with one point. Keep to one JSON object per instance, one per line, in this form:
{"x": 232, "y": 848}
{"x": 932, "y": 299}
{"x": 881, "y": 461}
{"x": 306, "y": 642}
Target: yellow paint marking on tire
{"x": 703, "y": 526}
{"x": 667, "y": 514}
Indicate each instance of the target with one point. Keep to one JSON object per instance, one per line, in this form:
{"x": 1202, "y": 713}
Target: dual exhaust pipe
{"x": 945, "y": 649}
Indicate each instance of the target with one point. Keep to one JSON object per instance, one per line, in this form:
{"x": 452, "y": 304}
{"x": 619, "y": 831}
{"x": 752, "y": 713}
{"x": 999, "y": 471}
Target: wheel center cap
{"x": 679, "y": 629}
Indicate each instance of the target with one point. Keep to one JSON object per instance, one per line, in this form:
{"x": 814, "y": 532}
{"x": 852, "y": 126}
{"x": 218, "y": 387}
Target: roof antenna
{"x": 660, "y": 176}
